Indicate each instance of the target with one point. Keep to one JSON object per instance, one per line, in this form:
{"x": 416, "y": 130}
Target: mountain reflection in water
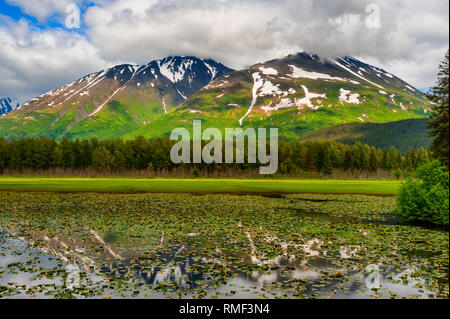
{"x": 181, "y": 268}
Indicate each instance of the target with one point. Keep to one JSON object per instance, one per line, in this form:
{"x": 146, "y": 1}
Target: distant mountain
{"x": 298, "y": 94}
{"x": 7, "y": 105}
{"x": 113, "y": 102}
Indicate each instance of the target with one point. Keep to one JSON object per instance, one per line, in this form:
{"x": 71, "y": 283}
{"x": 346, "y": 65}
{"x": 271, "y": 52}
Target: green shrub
{"x": 398, "y": 173}
{"x": 424, "y": 198}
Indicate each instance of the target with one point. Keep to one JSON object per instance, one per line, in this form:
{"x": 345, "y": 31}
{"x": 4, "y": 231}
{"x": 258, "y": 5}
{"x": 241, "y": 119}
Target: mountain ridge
{"x": 298, "y": 93}
{"x": 133, "y": 94}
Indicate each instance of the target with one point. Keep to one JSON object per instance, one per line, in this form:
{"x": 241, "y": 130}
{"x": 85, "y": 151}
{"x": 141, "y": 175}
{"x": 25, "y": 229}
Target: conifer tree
{"x": 440, "y": 119}
{"x": 373, "y": 160}
{"x": 326, "y": 165}
{"x": 348, "y": 160}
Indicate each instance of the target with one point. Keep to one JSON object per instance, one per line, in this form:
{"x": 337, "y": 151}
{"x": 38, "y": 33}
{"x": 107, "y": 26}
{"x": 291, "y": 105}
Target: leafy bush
{"x": 425, "y": 198}
{"x": 398, "y": 173}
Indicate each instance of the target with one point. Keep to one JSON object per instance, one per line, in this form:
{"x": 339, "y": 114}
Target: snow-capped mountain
{"x": 298, "y": 94}
{"x": 175, "y": 79}
{"x": 116, "y": 100}
{"x": 8, "y": 105}
{"x": 190, "y": 74}
{"x": 305, "y": 82}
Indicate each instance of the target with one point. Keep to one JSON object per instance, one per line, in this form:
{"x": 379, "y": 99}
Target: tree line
{"x": 154, "y": 155}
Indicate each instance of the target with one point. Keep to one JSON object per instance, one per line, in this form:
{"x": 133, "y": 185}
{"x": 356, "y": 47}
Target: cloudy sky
{"x": 42, "y": 47}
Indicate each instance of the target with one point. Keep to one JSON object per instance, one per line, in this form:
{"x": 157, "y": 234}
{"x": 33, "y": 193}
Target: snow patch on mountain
{"x": 349, "y": 97}
{"x": 212, "y": 70}
{"x": 287, "y": 102}
{"x": 106, "y": 102}
{"x": 302, "y": 73}
{"x": 410, "y": 88}
{"x": 308, "y": 97}
{"x": 164, "y": 104}
{"x": 356, "y": 74}
{"x": 258, "y": 82}
{"x": 92, "y": 80}
{"x": 268, "y": 71}
{"x": 181, "y": 94}
{"x": 268, "y": 88}
{"x": 174, "y": 73}
{"x": 392, "y": 98}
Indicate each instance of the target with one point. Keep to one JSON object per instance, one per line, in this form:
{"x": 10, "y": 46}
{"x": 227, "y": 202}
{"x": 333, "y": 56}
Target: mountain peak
{"x": 176, "y": 68}
{"x": 304, "y": 88}
{"x": 312, "y": 66}
{"x": 183, "y": 75}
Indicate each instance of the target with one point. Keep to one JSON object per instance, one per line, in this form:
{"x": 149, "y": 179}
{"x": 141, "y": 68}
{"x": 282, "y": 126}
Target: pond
{"x": 215, "y": 246}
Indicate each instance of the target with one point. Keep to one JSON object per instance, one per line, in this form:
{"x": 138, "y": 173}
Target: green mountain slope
{"x": 298, "y": 94}
{"x": 404, "y": 135}
{"x": 301, "y": 95}
{"x": 112, "y": 102}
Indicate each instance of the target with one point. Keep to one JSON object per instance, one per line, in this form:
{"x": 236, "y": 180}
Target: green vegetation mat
{"x": 246, "y": 186}
{"x": 215, "y": 246}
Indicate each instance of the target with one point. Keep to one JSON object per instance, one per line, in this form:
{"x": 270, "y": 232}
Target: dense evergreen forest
{"x": 404, "y": 135}
{"x": 140, "y": 154}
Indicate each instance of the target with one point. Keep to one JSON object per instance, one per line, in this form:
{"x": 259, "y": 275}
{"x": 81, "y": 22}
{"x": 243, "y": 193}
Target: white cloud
{"x": 42, "y": 9}
{"x": 33, "y": 61}
{"x": 420, "y": 72}
{"x": 411, "y": 40}
{"x": 243, "y": 32}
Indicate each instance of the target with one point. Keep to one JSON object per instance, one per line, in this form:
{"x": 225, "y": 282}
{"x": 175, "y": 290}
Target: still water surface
{"x": 28, "y": 271}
